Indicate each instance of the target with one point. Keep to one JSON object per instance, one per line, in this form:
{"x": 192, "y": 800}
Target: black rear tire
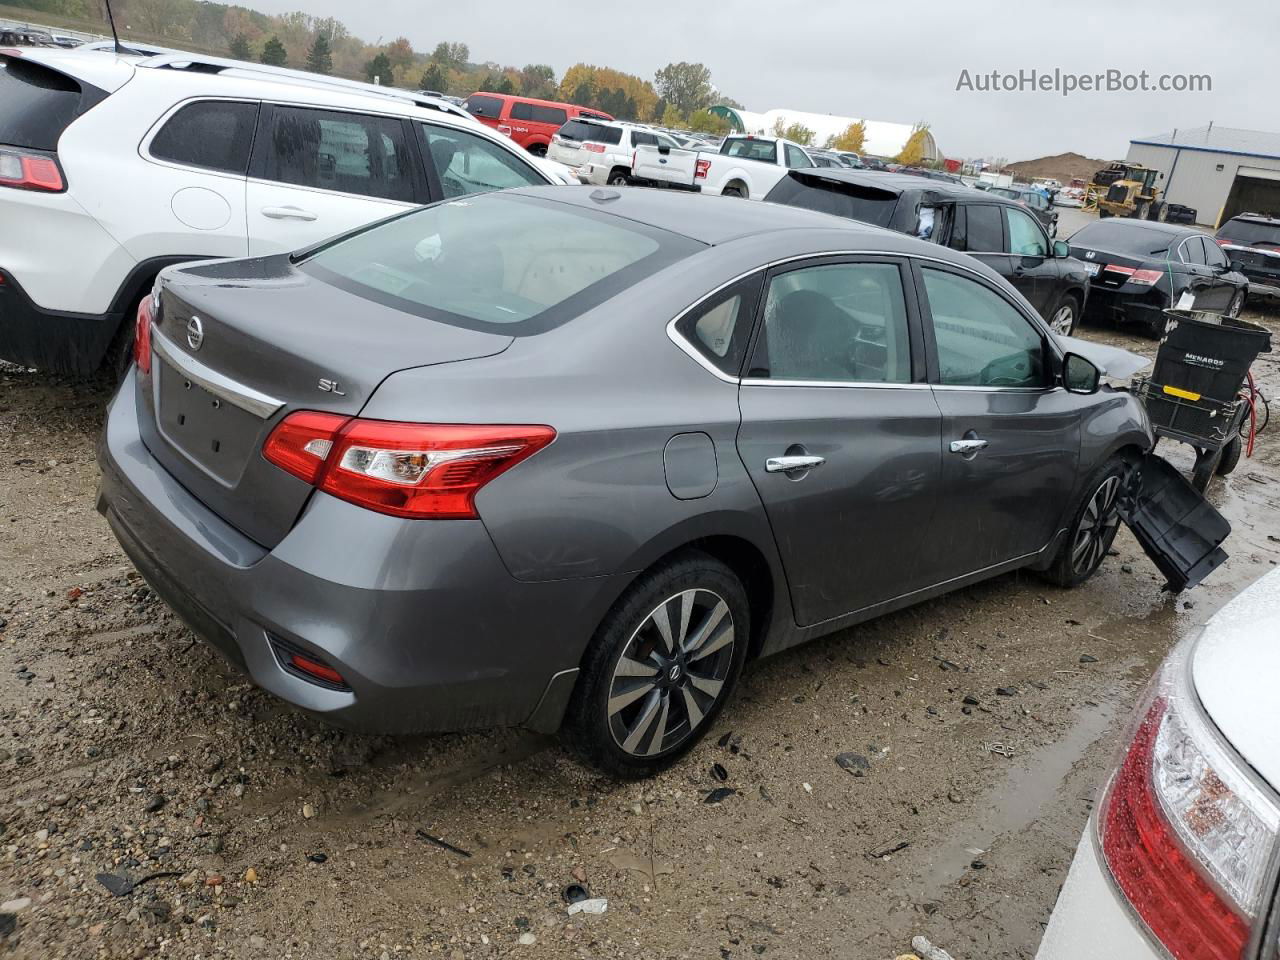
{"x": 538, "y": 149}
{"x": 1230, "y": 456}
{"x": 631, "y": 724}
{"x": 733, "y": 191}
{"x": 1094, "y": 524}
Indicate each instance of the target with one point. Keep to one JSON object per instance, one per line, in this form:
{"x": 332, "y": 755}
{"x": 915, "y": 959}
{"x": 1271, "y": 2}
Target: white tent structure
{"x": 884, "y": 139}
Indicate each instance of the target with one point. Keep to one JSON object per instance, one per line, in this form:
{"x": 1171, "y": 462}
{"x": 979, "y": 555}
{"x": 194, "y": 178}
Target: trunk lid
{"x": 238, "y": 345}
{"x": 665, "y": 164}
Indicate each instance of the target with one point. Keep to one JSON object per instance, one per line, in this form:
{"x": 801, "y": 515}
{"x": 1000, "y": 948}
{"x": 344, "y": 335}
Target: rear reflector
{"x": 142, "y": 334}
{"x": 416, "y": 470}
{"x": 316, "y": 669}
{"x": 30, "y": 171}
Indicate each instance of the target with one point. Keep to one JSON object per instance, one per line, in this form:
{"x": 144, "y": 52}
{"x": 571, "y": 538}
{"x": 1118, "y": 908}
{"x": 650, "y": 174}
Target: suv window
{"x": 643, "y": 138}
{"x": 1026, "y": 239}
{"x": 1246, "y": 232}
{"x": 982, "y": 340}
{"x": 595, "y": 132}
{"x": 348, "y": 152}
{"x": 468, "y": 163}
{"x": 842, "y": 322}
{"x": 537, "y": 113}
{"x": 484, "y": 106}
{"x": 36, "y": 104}
{"x": 982, "y": 232}
{"x": 796, "y": 158}
{"x": 214, "y": 135}
{"x": 720, "y": 327}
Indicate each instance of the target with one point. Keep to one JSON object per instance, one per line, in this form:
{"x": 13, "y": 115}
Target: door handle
{"x": 968, "y": 446}
{"x": 288, "y": 213}
{"x": 792, "y": 464}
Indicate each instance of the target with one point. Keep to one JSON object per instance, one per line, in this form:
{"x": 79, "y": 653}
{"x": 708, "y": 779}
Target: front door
{"x": 319, "y": 173}
{"x": 1010, "y": 435}
{"x": 840, "y": 434}
{"x": 1035, "y": 271}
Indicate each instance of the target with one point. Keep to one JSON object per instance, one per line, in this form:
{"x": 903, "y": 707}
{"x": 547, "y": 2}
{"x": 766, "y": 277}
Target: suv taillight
{"x": 1185, "y": 829}
{"x": 700, "y": 169}
{"x": 417, "y": 470}
{"x": 26, "y": 170}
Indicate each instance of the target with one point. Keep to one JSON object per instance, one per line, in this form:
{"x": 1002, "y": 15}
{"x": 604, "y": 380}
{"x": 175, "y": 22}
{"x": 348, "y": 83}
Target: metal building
{"x": 1218, "y": 171}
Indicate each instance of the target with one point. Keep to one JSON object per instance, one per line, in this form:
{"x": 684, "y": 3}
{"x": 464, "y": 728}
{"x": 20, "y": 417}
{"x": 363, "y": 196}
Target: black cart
{"x": 1194, "y": 393}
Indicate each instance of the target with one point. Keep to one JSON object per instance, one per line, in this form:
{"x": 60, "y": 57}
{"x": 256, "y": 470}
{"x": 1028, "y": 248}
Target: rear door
{"x": 840, "y": 434}
{"x": 319, "y": 173}
{"x": 1203, "y": 279}
{"x": 981, "y": 232}
{"x": 1010, "y": 434}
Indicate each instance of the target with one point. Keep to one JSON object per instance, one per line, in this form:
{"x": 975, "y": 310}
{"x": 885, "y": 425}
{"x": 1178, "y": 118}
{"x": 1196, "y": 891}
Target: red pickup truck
{"x": 530, "y": 123}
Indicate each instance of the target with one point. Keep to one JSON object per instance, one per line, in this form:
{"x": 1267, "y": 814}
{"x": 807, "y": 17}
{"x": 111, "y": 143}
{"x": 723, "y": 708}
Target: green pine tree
{"x": 240, "y": 48}
{"x": 320, "y": 57}
{"x": 274, "y": 53}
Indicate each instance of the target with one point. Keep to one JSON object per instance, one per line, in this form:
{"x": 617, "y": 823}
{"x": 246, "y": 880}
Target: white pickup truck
{"x": 744, "y": 166}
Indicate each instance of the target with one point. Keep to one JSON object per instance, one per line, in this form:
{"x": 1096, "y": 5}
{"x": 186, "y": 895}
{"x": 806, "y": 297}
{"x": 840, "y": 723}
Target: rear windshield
{"x": 852, "y": 201}
{"x": 521, "y": 263}
{"x": 36, "y": 104}
{"x": 764, "y": 150}
{"x": 1249, "y": 231}
{"x": 594, "y": 132}
{"x": 1126, "y": 237}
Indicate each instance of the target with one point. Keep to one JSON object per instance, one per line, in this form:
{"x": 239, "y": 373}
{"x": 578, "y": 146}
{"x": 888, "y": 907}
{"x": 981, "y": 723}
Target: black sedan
{"x": 1000, "y": 232}
{"x": 1139, "y": 269}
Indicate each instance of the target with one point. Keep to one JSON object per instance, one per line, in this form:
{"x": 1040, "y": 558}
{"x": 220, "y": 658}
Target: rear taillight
{"x": 30, "y": 171}
{"x": 593, "y": 147}
{"x": 1146, "y": 278}
{"x": 419, "y": 470}
{"x": 1185, "y": 830}
{"x": 701, "y": 168}
{"x": 142, "y": 334}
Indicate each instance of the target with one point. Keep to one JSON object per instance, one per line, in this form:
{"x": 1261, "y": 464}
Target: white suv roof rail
{"x": 220, "y": 65}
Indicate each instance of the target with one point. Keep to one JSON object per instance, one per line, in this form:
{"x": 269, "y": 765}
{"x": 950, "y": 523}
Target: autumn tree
{"x": 538, "y": 80}
{"x": 704, "y": 121}
{"x": 671, "y": 117}
{"x": 400, "y": 52}
{"x": 435, "y": 77}
{"x": 320, "y": 57}
{"x": 685, "y": 85}
{"x": 273, "y": 53}
{"x": 796, "y": 132}
{"x": 622, "y": 95}
{"x": 852, "y": 139}
{"x": 240, "y": 48}
{"x": 451, "y": 56}
{"x": 913, "y": 150}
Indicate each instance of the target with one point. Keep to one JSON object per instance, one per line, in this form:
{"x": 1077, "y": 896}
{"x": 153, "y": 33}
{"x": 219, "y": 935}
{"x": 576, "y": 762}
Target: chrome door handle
{"x": 792, "y": 464}
{"x": 968, "y": 446}
{"x": 288, "y": 213}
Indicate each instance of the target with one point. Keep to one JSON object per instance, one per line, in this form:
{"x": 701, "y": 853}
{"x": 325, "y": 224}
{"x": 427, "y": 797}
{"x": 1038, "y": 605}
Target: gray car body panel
{"x": 448, "y": 624}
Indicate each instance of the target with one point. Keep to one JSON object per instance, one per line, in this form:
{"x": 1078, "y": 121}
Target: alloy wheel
{"x": 671, "y": 673}
{"x": 1097, "y": 527}
{"x": 1064, "y": 320}
{"x": 1237, "y": 303}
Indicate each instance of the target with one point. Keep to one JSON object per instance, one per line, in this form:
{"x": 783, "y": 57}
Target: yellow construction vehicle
{"x": 1126, "y": 190}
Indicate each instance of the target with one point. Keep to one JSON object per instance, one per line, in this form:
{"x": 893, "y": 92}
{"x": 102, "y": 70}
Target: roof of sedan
{"x": 707, "y": 219}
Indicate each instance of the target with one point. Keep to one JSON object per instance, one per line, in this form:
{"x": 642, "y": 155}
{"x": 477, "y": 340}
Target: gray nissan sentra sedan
{"x": 568, "y": 458}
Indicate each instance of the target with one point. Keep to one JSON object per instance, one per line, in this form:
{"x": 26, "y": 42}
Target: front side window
{"x": 982, "y": 340}
{"x": 1026, "y": 239}
{"x": 797, "y": 159}
{"x": 212, "y": 135}
{"x": 842, "y": 322}
{"x": 347, "y": 152}
{"x": 468, "y": 163}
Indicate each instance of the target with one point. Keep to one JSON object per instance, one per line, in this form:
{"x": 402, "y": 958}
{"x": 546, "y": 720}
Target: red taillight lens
{"x": 417, "y": 470}
{"x": 30, "y": 171}
{"x": 1146, "y": 278}
{"x": 593, "y": 147}
{"x": 142, "y": 334}
{"x": 700, "y": 169}
{"x": 1185, "y": 831}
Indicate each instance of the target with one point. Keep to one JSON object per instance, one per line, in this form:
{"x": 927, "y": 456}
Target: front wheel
{"x": 659, "y": 668}
{"x": 1063, "y": 320}
{"x": 1237, "y": 304}
{"x": 1093, "y": 529}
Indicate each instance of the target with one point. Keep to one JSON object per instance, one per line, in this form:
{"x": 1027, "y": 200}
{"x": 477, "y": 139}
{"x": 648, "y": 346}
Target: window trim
{"x": 144, "y": 146}
{"x": 1053, "y": 355}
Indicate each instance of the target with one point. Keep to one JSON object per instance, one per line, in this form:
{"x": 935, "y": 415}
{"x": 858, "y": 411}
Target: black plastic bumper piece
{"x": 71, "y": 343}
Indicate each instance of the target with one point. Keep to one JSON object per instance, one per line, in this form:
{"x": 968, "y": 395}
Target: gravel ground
{"x": 981, "y": 721}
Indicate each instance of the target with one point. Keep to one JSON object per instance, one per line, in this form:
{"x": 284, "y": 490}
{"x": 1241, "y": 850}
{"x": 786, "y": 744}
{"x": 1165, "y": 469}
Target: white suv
{"x": 601, "y": 150}
{"x": 114, "y": 167}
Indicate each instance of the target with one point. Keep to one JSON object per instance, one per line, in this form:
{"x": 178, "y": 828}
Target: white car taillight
{"x": 1186, "y": 830}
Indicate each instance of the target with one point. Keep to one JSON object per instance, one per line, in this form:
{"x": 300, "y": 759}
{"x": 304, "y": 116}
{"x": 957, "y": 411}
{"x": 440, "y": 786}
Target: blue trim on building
{"x": 1229, "y": 153}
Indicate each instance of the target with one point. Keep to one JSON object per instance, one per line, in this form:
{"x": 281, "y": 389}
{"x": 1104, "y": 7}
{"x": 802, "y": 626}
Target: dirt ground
{"x": 129, "y": 748}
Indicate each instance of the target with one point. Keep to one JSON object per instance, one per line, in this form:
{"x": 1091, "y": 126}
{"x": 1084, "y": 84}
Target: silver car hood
{"x": 1112, "y": 361}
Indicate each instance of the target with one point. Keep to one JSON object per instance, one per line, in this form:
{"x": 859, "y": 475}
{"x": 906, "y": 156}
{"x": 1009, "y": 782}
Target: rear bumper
{"x": 53, "y": 340}
{"x": 1090, "y": 920}
{"x": 421, "y": 618}
{"x": 1145, "y": 307}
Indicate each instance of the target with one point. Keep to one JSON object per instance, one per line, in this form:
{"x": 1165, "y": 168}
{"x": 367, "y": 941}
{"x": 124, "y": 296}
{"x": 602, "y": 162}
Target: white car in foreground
{"x": 1181, "y": 856}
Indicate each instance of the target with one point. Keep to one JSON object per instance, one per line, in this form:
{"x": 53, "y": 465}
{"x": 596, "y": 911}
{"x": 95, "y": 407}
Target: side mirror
{"x": 1061, "y": 248}
{"x": 1080, "y": 375}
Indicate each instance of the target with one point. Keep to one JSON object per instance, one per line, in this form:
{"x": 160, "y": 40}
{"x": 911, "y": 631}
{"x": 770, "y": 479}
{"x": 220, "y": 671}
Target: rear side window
{"x": 348, "y": 152}
{"x": 536, "y": 113}
{"x": 214, "y": 135}
{"x": 983, "y": 232}
{"x": 640, "y": 138}
{"x": 1193, "y": 250}
{"x": 581, "y": 130}
{"x": 37, "y": 104}
{"x": 868, "y": 204}
{"x": 721, "y": 326}
{"x": 484, "y": 106}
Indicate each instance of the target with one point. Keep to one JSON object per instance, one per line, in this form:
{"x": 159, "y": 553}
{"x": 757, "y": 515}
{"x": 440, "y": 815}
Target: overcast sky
{"x": 896, "y": 60}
